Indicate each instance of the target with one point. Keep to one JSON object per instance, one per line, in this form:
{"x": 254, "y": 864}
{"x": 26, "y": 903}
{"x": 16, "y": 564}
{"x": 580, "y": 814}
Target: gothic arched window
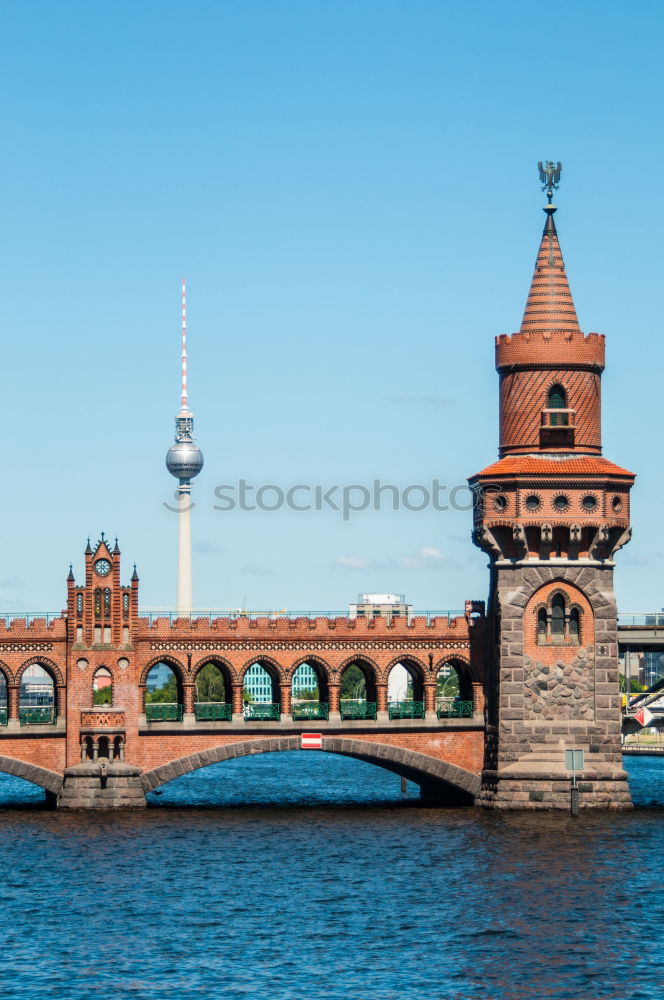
{"x": 557, "y": 625}
{"x": 574, "y": 625}
{"x": 558, "y": 618}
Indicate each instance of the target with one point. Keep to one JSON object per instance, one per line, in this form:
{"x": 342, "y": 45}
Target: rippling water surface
{"x": 309, "y": 876}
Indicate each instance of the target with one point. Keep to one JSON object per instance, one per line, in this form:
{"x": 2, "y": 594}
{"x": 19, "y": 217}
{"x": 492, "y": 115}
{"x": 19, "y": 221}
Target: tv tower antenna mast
{"x": 184, "y": 460}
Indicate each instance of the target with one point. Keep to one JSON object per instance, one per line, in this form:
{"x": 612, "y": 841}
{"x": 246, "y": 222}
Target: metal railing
{"x": 42, "y": 716}
{"x": 358, "y": 709}
{"x": 641, "y": 618}
{"x": 311, "y": 710}
{"x": 211, "y": 616}
{"x": 455, "y": 710}
{"x": 405, "y": 709}
{"x": 213, "y": 711}
{"x": 262, "y": 712}
{"x": 163, "y": 712}
{"x": 30, "y": 616}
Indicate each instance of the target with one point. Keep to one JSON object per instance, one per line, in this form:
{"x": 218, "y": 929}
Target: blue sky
{"x": 351, "y": 191}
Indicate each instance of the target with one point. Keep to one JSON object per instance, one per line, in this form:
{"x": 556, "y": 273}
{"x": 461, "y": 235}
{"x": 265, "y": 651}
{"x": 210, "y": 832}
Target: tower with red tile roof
{"x": 551, "y": 513}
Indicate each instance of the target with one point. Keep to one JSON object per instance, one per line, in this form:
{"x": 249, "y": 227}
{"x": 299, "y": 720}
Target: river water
{"x": 309, "y": 876}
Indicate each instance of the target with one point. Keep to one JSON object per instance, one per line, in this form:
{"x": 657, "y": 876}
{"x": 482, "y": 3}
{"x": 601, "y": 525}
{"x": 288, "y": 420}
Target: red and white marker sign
{"x": 312, "y": 741}
{"x": 644, "y": 716}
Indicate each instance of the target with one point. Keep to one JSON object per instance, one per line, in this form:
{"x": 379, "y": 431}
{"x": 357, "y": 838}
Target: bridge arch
{"x": 170, "y": 661}
{"x": 8, "y": 672}
{"x": 48, "y": 780}
{"x": 464, "y": 671}
{"x": 43, "y": 661}
{"x": 416, "y": 767}
{"x": 415, "y": 670}
{"x": 320, "y": 668}
{"x": 268, "y": 664}
{"x": 226, "y": 667}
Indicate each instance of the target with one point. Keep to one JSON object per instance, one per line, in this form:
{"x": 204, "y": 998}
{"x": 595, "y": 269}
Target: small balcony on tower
{"x": 558, "y": 425}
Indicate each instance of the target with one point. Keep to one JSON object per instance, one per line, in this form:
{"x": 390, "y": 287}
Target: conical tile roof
{"x": 550, "y": 307}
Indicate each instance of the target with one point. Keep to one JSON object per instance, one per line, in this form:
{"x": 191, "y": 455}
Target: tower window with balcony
{"x": 558, "y": 423}
{"x": 558, "y": 401}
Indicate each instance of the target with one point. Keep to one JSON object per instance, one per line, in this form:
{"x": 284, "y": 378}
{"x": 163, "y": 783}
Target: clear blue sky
{"x": 350, "y": 189}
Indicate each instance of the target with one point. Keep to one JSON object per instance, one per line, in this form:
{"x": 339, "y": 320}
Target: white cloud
{"x": 354, "y": 562}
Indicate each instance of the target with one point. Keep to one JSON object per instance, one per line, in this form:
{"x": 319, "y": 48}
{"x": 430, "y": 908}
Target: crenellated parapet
{"x": 550, "y": 349}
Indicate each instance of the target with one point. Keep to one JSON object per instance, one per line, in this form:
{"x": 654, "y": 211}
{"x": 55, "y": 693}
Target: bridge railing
{"x": 163, "y": 711}
{"x": 453, "y": 709}
{"x": 358, "y": 709}
{"x": 642, "y": 619}
{"x": 262, "y": 711}
{"x": 30, "y": 616}
{"x": 213, "y": 711}
{"x": 303, "y": 711}
{"x": 405, "y": 709}
{"x": 154, "y": 615}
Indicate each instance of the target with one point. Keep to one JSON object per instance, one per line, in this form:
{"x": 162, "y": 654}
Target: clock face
{"x": 102, "y": 567}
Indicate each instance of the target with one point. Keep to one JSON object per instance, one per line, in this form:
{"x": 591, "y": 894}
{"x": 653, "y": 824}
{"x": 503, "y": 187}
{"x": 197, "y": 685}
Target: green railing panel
{"x": 213, "y": 711}
{"x": 358, "y": 709}
{"x": 405, "y": 709}
{"x": 311, "y": 710}
{"x": 456, "y": 710}
{"x": 262, "y": 712}
{"x": 4, "y": 715}
{"x": 163, "y": 712}
{"x": 36, "y": 716}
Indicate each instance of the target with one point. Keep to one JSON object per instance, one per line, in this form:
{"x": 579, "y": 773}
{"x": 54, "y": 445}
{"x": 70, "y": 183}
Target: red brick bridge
{"x": 89, "y": 755}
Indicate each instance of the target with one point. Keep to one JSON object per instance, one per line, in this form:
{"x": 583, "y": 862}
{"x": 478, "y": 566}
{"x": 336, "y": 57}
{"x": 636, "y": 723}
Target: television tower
{"x": 184, "y": 460}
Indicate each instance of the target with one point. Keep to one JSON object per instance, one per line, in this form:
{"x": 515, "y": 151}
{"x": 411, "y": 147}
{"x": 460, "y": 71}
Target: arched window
{"x": 309, "y": 697}
{"x": 163, "y": 695}
{"x": 102, "y": 687}
{"x": 405, "y": 691}
{"x": 574, "y": 626}
{"x": 542, "y": 626}
{"x": 37, "y": 696}
{"x": 358, "y": 692}
{"x": 557, "y": 401}
{"x": 212, "y": 694}
{"x": 454, "y": 695}
{"x": 262, "y": 693}
{"x": 558, "y": 618}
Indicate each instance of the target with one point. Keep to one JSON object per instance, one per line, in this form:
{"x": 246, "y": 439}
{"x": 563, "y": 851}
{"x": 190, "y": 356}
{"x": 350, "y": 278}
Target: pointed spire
{"x": 550, "y": 307}
{"x": 70, "y": 575}
{"x": 88, "y": 548}
{"x": 134, "y": 575}
{"x": 116, "y": 547}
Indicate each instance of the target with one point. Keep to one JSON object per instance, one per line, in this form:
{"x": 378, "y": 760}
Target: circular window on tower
{"x": 617, "y": 504}
{"x": 561, "y": 502}
{"x": 589, "y": 503}
{"x": 500, "y": 503}
{"x": 533, "y": 502}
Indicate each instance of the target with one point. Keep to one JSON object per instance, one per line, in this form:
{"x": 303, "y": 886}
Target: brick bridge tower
{"x": 552, "y": 514}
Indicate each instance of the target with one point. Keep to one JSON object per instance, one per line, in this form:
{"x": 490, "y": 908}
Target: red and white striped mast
{"x": 184, "y": 461}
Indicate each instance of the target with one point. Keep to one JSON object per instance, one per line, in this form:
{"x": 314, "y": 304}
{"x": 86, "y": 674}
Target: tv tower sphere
{"x": 184, "y": 460}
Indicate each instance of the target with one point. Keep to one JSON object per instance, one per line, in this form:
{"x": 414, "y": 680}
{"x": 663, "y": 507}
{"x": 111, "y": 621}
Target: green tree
{"x": 168, "y": 692}
{"x": 210, "y": 684}
{"x": 353, "y": 683}
{"x": 103, "y": 696}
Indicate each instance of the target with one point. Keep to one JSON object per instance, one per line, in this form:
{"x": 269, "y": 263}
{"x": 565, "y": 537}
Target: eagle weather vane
{"x": 549, "y": 174}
